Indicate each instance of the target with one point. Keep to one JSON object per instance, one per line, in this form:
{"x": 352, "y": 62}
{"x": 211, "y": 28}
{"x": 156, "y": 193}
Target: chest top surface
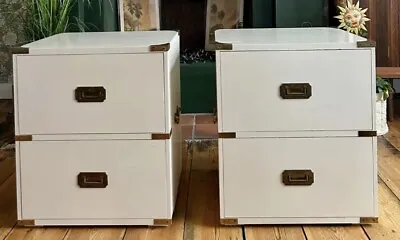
{"x": 288, "y": 38}
{"x": 101, "y": 42}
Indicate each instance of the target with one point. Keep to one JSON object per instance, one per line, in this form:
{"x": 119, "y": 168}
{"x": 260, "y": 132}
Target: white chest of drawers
{"x": 96, "y": 124}
{"x": 296, "y": 122}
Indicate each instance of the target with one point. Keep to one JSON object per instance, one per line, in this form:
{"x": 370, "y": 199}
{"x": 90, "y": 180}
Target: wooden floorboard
{"x": 197, "y": 209}
{"x": 274, "y": 233}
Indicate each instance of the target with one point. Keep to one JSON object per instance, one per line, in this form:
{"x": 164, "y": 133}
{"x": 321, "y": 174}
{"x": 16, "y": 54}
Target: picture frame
{"x": 139, "y": 15}
{"x": 222, "y": 14}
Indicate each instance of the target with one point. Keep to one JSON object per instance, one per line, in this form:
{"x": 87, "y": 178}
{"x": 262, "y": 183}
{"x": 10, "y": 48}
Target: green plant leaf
{"x": 44, "y": 18}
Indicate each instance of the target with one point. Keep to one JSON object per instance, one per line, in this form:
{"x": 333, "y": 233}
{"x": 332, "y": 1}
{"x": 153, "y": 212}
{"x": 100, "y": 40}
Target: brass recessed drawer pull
{"x": 295, "y": 90}
{"x": 92, "y": 180}
{"x": 90, "y": 94}
{"x": 298, "y": 177}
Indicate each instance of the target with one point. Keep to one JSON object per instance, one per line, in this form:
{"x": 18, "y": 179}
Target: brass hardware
{"x": 23, "y": 138}
{"x": 161, "y": 136}
{"x": 367, "y": 133}
{"x": 92, "y": 180}
{"x": 229, "y": 221}
{"x": 90, "y": 94}
{"x": 160, "y": 47}
{"x": 177, "y": 115}
{"x": 366, "y": 220}
{"x": 19, "y": 50}
{"x": 298, "y": 177}
{"x": 223, "y": 46}
{"x": 227, "y": 135}
{"x": 366, "y": 44}
{"x": 26, "y": 223}
{"x": 215, "y": 115}
{"x": 162, "y": 222}
{"x": 295, "y": 90}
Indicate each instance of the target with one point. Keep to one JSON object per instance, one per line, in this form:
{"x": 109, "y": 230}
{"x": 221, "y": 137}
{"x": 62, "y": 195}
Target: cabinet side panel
{"x": 373, "y": 88}
{"x": 15, "y": 91}
{"x": 172, "y": 81}
{"x": 221, "y": 177}
{"x": 219, "y": 90}
{"x": 18, "y": 168}
{"x": 174, "y": 154}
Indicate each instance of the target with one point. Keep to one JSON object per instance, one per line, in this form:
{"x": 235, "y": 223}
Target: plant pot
{"x": 381, "y": 117}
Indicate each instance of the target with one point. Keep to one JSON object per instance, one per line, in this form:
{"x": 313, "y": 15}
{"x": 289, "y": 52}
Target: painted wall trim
{"x": 6, "y": 91}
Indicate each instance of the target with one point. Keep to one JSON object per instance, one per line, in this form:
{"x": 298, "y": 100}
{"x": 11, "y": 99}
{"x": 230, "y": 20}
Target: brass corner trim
{"x": 19, "y": 50}
{"x": 229, "y": 221}
{"x": 26, "y": 223}
{"x": 161, "y": 136}
{"x": 162, "y": 222}
{"x": 366, "y": 44}
{"x": 227, "y": 135}
{"x": 367, "y": 133}
{"x": 23, "y": 137}
{"x": 368, "y": 220}
{"x": 223, "y": 46}
{"x": 160, "y": 47}
{"x": 215, "y": 115}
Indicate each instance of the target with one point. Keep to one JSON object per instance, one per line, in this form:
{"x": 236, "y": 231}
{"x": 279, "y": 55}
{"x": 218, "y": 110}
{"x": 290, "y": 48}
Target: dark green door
{"x": 295, "y": 13}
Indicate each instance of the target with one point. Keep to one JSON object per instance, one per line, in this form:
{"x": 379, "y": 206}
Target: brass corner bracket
{"x": 229, "y": 221}
{"x": 26, "y": 223}
{"x": 162, "y": 222}
{"x": 19, "y": 50}
{"x": 160, "y": 47}
{"x": 366, "y": 220}
{"x": 161, "y": 136}
{"x": 366, "y": 44}
{"x": 215, "y": 115}
{"x": 227, "y": 135}
{"x": 223, "y": 46}
{"x": 23, "y": 137}
{"x": 367, "y": 133}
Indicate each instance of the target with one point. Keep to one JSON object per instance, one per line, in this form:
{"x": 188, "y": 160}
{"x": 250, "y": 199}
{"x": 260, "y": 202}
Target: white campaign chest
{"x": 296, "y": 122}
{"x": 97, "y": 130}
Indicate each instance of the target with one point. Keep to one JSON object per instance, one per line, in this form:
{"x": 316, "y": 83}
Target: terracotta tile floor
{"x": 200, "y": 126}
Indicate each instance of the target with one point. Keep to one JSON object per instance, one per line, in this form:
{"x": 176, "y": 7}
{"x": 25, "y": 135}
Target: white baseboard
{"x": 6, "y": 91}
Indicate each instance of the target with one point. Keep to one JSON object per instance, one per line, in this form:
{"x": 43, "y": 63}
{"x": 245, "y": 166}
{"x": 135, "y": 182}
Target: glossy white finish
{"x": 250, "y": 98}
{"x": 274, "y": 134}
{"x": 134, "y": 84}
{"x": 252, "y": 183}
{"x": 49, "y": 179}
{"x": 287, "y": 39}
{"x": 100, "y": 42}
{"x": 142, "y": 93}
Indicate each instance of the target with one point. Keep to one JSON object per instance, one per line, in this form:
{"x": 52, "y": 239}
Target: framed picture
{"x": 139, "y": 15}
{"x": 222, "y": 14}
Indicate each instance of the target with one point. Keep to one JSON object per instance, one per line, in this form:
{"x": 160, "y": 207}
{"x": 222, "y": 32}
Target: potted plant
{"x": 44, "y": 18}
{"x": 383, "y": 91}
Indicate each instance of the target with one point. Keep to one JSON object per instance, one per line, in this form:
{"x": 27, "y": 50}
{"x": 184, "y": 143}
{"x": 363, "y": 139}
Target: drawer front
{"x": 94, "y": 179}
{"x": 298, "y": 177}
{"x": 296, "y": 90}
{"x": 108, "y": 93}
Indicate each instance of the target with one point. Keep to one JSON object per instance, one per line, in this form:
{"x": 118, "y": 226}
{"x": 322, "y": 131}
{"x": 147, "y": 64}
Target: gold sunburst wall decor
{"x": 352, "y": 18}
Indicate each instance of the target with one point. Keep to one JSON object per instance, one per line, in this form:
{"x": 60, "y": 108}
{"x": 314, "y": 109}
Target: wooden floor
{"x": 196, "y": 215}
